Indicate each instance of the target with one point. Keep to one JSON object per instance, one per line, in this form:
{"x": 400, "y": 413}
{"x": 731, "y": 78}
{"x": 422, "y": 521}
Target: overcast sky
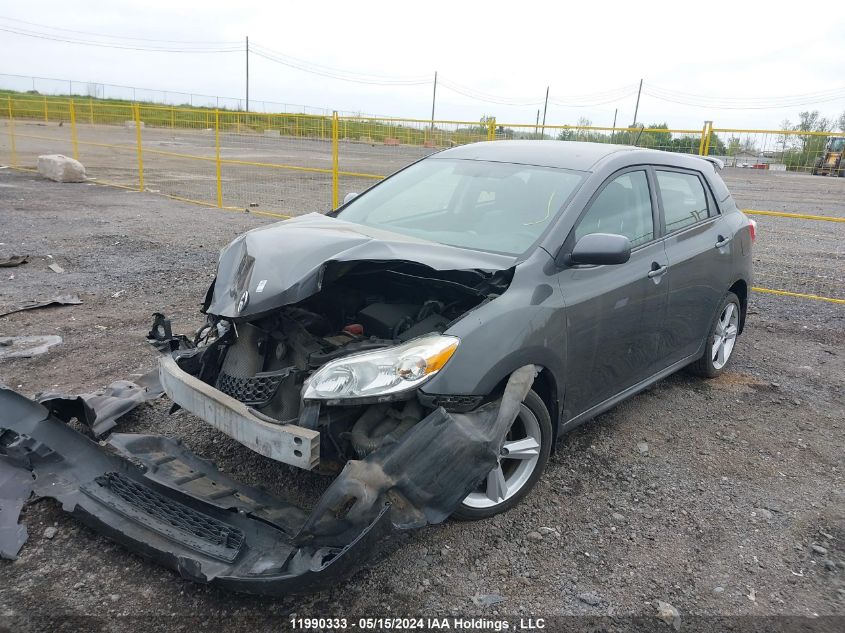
{"x": 726, "y": 52}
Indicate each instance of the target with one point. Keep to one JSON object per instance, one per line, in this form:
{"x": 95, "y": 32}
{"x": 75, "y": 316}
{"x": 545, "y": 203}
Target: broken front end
{"x": 326, "y": 375}
{"x": 335, "y": 376}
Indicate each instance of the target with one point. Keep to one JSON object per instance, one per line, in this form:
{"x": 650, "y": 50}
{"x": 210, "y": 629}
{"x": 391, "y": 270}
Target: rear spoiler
{"x": 718, "y": 165}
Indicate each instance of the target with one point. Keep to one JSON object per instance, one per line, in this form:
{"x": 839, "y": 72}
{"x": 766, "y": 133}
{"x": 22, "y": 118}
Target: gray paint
{"x": 603, "y": 330}
{"x": 599, "y": 331}
{"x": 283, "y": 263}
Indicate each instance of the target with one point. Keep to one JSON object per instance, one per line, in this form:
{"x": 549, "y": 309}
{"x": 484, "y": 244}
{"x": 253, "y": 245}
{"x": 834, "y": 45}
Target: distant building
{"x": 745, "y": 158}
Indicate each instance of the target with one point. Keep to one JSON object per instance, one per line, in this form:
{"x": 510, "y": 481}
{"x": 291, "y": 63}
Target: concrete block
{"x": 131, "y": 124}
{"x": 61, "y": 168}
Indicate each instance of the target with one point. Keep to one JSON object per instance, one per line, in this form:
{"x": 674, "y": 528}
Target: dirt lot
{"x": 181, "y": 162}
{"x": 734, "y": 508}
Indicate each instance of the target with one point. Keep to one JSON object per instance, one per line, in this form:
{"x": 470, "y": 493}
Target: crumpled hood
{"x": 283, "y": 263}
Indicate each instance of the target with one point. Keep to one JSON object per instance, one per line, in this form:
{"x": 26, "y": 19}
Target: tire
{"x": 718, "y": 348}
{"x": 532, "y": 423}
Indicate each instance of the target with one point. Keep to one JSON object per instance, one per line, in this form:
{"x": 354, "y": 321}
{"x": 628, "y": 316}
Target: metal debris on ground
{"x": 58, "y": 300}
{"x": 26, "y": 346}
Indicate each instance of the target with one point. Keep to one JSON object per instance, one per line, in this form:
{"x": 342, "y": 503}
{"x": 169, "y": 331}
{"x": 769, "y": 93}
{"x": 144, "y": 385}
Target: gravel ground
{"x": 180, "y": 162}
{"x": 723, "y": 497}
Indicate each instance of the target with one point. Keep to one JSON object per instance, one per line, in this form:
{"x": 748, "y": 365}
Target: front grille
{"x": 256, "y": 391}
{"x": 168, "y": 516}
{"x": 457, "y": 403}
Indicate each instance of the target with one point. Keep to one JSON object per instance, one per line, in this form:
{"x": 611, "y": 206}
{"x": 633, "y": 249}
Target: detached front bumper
{"x": 287, "y": 443}
{"x": 155, "y": 497}
{"x": 151, "y": 494}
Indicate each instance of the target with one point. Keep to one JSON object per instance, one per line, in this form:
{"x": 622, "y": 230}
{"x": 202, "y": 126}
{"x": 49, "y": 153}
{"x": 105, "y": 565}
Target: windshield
{"x": 500, "y": 207}
{"x": 837, "y": 144}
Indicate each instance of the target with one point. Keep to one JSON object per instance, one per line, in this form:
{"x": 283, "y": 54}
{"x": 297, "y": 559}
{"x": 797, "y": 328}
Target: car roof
{"x": 560, "y": 154}
{"x": 577, "y": 155}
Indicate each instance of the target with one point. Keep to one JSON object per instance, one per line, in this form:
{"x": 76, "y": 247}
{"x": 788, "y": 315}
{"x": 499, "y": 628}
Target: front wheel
{"x": 721, "y": 341}
{"x": 523, "y": 458}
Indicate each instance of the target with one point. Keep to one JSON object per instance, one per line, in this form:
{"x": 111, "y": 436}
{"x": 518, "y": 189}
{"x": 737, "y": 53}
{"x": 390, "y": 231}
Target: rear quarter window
{"x": 720, "y": 189}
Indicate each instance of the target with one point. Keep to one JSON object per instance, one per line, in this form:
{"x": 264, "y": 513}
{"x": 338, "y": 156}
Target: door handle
{"x": 657, "y": 270}
{"x": 722, "y": 241}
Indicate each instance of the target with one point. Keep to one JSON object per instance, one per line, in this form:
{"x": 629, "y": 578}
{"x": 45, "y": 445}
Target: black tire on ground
{"x": 535, "y": 405}
{"x": 704, "y": 366}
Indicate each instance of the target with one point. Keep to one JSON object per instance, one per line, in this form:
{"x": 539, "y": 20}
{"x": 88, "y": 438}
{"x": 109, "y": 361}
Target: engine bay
{"x": 263, "y": 362}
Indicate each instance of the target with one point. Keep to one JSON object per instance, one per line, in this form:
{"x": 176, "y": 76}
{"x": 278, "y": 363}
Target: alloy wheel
{"x": 517, "y": 462}
{"x": 727, "y": 328}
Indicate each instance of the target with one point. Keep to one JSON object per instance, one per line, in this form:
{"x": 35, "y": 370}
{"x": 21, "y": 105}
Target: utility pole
{"x": 545, "y": 106}
{"x": 433, "y": 99}
{"x": 613, "y": 133}
{"x": 637, "y": 107}
{"x": 537, "y": 123}
{"x": 247, "y": 73}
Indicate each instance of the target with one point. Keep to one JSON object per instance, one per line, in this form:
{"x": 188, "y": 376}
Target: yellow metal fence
{"x": 289, "y": 164}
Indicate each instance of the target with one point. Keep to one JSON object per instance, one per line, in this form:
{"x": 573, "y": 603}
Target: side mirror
{"x": 599, "y": 249}
{"x": 349, "y": 197}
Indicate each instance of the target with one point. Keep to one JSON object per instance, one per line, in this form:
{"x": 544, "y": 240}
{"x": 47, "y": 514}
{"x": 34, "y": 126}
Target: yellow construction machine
{"x": 830, "y": 163}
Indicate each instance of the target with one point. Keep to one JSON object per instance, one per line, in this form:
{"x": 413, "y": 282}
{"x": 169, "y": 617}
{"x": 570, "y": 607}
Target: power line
{"x": 748, "y": 98}
{"x": 585, "y": 100}
{"x": 744, "y": 103}
{"x": 576, "y": 101}
{"x": 336, "y": 73}
{"x": 122, "y": 37}
{"x": 488, "y": 98}
{"x": 138, "y": 47}
{"x": 776, "y": 106}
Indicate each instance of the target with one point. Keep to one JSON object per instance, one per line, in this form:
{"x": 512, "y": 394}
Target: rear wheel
{"x": 721, "y": 341}
{"x": 522, "y": 460}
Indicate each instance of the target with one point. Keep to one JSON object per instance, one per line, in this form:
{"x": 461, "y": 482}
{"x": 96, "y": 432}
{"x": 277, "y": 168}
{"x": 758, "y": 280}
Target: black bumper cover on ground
{"x": 155, "y": 497}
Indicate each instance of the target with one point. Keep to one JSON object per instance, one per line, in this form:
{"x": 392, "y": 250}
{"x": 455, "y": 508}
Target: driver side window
{"x": 623, "y": 208}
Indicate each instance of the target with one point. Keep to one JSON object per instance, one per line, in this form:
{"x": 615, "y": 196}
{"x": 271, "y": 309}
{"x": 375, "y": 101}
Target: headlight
{"x": 382, "y": 372}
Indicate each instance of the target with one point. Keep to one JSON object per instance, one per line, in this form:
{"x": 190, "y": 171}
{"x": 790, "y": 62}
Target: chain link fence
{"x": 283, "y": 164}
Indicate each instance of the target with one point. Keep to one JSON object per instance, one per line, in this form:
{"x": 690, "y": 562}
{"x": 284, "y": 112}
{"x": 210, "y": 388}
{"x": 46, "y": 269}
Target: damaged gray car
{"x": 426, "y": 344}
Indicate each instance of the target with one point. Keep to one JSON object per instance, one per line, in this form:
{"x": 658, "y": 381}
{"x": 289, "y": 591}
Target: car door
{"x": 699, "y": 243}
{"x": 614, "y": 314}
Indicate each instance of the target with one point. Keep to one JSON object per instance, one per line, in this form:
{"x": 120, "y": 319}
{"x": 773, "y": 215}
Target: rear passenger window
{"x": 684, "y": 200}
{"x": 623, "y": 207}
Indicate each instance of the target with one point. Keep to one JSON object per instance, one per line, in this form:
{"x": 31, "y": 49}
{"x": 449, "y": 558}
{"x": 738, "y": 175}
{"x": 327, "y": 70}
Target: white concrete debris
{"x": 61, "y": 168}
{"x": 131, "y": 124}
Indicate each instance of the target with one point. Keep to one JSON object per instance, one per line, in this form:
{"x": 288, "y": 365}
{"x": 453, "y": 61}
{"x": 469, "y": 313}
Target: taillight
{"x": 752, "y": 229}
